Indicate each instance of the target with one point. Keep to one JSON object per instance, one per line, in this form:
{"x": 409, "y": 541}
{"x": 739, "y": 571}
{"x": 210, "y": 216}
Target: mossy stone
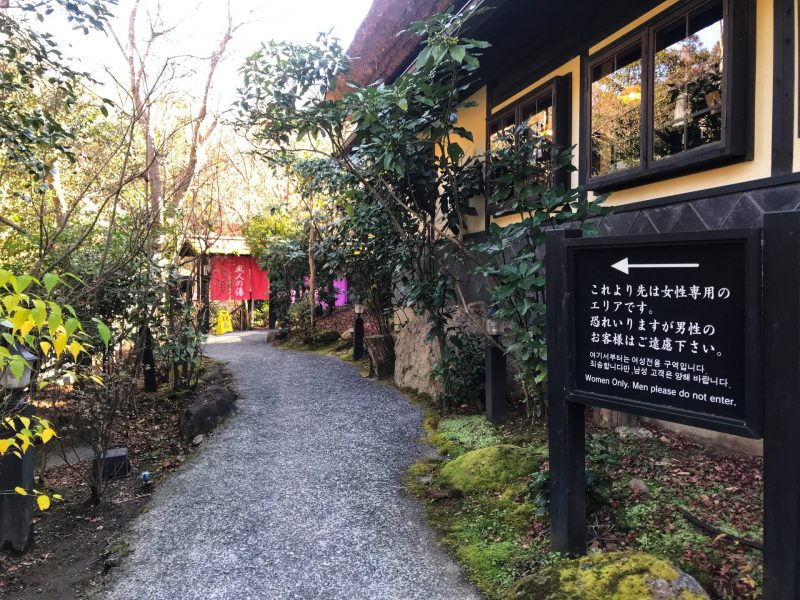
{"x": 490, "y": 469}
{"x": 610, "y": 576}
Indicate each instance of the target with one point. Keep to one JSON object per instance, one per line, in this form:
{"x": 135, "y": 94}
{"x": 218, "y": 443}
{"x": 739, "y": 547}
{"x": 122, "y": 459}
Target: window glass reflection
{"x": 616, "y": 113}
{"x": 687, "y": 100}
{"x": 539, "y": 117}
{"x": 501, "y": 133}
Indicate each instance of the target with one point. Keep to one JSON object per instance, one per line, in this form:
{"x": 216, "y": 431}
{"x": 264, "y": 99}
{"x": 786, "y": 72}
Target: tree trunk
{"x": 311, "y": 275}
{"x": 381, "y": 355}
{"x": 604, "y": 417}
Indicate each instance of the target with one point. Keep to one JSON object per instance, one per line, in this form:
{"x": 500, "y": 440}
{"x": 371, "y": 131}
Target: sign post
{"x": 566, "y": 433}
{"x": 670, "y": 327}
{"x": 782, "y": 405}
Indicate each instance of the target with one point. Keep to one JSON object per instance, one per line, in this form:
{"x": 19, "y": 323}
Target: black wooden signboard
{"x": 702, "y": 329}
{"x": 667, "y": 327}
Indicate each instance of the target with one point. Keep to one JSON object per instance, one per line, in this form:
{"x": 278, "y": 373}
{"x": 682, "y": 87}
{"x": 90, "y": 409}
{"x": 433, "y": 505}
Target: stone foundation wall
{"x": 414, "y": 356}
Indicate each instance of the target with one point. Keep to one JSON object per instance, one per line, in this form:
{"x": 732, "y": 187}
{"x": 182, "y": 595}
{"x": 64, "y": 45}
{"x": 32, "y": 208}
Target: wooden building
{"x": 684, "y": 111}
{"x": 222, "y": 270}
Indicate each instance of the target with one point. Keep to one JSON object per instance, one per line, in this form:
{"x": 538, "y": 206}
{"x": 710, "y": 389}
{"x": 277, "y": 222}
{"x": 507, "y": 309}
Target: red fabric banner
{"x": 259, "y": 281}
{"x": 237, "y": 278}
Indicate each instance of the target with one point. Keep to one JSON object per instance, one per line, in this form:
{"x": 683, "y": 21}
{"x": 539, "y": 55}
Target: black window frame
{"x": 559, "y": 89}
{"x": 738, "y": 100}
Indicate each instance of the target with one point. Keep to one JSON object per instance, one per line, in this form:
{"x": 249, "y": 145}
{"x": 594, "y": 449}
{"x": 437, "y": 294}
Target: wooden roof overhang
{"x": 529, "y": 38}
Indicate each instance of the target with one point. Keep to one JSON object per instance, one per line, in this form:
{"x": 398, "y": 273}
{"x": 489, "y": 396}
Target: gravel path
{"x": 297, "y": 496}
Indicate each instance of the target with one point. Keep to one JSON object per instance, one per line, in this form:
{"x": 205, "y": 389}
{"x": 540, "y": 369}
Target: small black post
{"x": 273, "y": 313}
{"x": 16, "y": 511}
{"x": 358, "y": 337}
{"x": 566, "y": 425}
{"x": 496, "y": 392}
{"x": 205, "y": 294}
{"x": 149, "y": 362}
{"x": 781, "y": 409}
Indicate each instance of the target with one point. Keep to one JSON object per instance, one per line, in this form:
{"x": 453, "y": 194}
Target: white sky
{"x": 199, "y": 29}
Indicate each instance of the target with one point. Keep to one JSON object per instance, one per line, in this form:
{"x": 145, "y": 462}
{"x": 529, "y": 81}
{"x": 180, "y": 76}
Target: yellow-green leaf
{"x": 57, "y": 497}
{"x": 21, "y": 283}
{"x": 55, "y": 319}
{"x": 104, "y": 331}
{"x": 39, "y": 315}
{"x": 50, "y": 280}
{"x": 26, "y": 422}
{"x": 5, "y": 444}
{"x": 60, "y": 342}
{"x": 75, "y": 348}
{"x": 47, "y": 435}
{"x": 10, "y": 302}
{"x": 26, "y": 327}
{"x": 20, "y": 491}
{"x": 43, "y": 502}
{"x": 72, "y": 325}
{"x": 17, "y": 366}
{"x": 26, "y": 442}
{"x": 20, "y": 317}
{"x": 45, "y": 346}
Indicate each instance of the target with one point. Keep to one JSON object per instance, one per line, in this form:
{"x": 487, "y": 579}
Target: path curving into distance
{"x": 298, "y": 496}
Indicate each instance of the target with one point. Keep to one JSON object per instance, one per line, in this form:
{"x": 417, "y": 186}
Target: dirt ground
{"x": 76, "y": 543}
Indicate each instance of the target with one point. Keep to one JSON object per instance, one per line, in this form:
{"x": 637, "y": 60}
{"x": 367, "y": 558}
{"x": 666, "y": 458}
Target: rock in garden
{"x": 633, "y": 575}
{"x": 347, "y": 335}
{"x": 208, "y": 410}
{"x": 198, "y": 439}
{"x": 114, "y": 554}
{"x": 490, "y": 469}
{"x": 638, "y": 486}
{"x": 624, "y": 432}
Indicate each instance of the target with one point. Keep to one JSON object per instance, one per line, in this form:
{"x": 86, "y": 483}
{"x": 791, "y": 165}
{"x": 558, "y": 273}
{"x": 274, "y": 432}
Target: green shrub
{"x": 261, "y": 314}
{"x": 299, "y": 320}
{"x": 462, "y": 369}
{"x": 323, "y": 337}
{"x": 599, "y": 457}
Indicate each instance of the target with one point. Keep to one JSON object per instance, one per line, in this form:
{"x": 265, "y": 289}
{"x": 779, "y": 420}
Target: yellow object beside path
{"x": 224, "y": 324}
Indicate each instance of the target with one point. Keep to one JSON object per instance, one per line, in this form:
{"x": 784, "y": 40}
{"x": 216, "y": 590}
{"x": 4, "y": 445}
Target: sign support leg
{"x": 781, "y": 405}
{"x": 567, "y": 478}
{"x": 566, "y": 427}
{"x": 496, "y": 393}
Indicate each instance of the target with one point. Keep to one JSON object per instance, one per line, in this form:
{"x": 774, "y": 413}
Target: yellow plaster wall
{"x": 759, "y": 167}
{"x": 473, "y": 119}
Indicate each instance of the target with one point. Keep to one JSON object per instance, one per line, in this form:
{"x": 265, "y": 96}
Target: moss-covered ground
{"x": 494, "y": 525}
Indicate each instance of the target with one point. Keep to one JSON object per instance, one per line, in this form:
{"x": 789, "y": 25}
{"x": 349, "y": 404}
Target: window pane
{"x": 687, "y": 102}
{"x": 539, "y": 117}
{"x": 616, "y": 113}
{"x": 501, "y": 132}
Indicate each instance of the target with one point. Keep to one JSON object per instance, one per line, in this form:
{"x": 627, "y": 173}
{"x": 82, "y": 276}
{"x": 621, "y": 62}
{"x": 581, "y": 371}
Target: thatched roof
{"x": 223, "y": 245}
{"x": 377, "y": 51}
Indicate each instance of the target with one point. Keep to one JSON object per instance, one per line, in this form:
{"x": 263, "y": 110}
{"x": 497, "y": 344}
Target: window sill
{"x": 700, "y": 159}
